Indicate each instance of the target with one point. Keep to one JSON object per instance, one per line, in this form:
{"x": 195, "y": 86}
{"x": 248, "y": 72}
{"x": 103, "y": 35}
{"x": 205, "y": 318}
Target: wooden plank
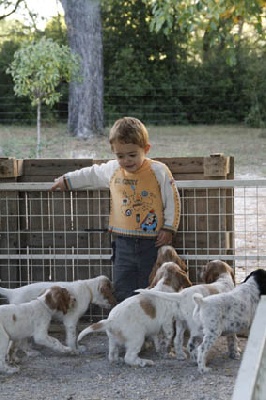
{"x": 63, "y": 242}
{"x": 179, "y": 165}
{"x": 187, "y": 168}
{"x": 217, "y": 165}
{"x": 53, "y": 167}
{"x": 210, "y": 243}
{"x": 10, "y": 167}
{"x": 184, "y": 165}
{"x": 59, "y": 270}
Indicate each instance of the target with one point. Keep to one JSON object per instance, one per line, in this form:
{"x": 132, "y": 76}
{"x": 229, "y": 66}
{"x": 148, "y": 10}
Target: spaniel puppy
{"x": 219, "y": 277}
{"x": 32, "y": 320}
{"x": 166, "y": 253}
{"x": 134, "y": 319}
{"x": 228, "y": 313}
{"x": 97, "y": 291}
{"x": 168, "y": 277}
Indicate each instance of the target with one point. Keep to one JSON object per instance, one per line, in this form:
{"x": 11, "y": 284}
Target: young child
{"x": 145, "y": 204}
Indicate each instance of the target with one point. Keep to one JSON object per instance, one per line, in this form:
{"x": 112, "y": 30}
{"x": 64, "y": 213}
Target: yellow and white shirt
{"x": 142, "y": 202}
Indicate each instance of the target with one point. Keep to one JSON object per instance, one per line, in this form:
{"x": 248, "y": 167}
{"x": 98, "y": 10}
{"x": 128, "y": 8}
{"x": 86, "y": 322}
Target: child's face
{"x": 130, "y": 156}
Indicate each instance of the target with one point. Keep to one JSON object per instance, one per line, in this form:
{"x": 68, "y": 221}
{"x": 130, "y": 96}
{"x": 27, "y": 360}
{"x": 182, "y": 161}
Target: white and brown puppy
{"x": 168, "y": 278}
{"x": 219, "y": 277}
{"x": 136, "y": 318}
{"x": 229, "y": 314}
{"x": 166, "y": 253}
{"x": 98, "y": 291}
{"x": 20, "y": 321}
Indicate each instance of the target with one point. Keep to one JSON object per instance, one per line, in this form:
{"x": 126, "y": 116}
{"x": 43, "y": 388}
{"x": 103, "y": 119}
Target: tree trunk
{"x": 38, "y": 145}
{"x": 83, "y": 20}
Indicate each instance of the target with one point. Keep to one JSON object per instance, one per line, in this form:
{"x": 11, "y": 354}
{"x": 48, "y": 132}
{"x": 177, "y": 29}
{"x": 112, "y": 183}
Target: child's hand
{"x": 164, "y": 238}
{"x": 59, "y": 184}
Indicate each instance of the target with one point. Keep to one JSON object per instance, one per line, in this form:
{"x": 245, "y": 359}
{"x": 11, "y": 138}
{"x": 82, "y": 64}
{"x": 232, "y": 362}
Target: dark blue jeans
{"x": 133, "y": 259}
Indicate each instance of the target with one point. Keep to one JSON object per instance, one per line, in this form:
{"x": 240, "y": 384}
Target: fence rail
{"x": 250, "y": 382}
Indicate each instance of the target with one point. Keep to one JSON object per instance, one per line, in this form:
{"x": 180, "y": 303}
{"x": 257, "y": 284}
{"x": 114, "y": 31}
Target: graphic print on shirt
{"x": 136, "y": 203}
{"x": 139, "y": 204}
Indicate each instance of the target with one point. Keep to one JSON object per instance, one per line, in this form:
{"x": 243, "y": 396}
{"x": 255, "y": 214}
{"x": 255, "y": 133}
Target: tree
{"x": 9, "y": 7}
{"x": 37, "y": 70}
{"x": 83, "y": 20}
{"x": 216, "y": 19}
{"x": 142, "y": 68}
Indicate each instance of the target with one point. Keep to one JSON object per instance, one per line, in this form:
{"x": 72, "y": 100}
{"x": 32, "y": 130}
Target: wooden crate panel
{"x": 41, "y": 223}
{"x": 10, "y": 167}
{"x": 51, "y": 168}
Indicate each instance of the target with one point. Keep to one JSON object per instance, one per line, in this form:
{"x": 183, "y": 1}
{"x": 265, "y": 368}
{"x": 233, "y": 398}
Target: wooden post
{"x": 10, "y": 170}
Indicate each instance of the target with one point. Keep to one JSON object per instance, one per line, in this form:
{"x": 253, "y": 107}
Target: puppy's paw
{"x": 81, "y": 349}
{"x": 146, "y": 363}
{"x": 235, "y": 355}
{"x": 11, "y": 370}
{"x": 181, "y": 355}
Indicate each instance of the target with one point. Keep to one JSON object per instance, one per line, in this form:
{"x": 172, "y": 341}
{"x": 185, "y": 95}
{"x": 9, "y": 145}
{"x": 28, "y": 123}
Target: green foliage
{"x": 37, "y": 70}
{"x": 171, "y": 76}
{"x": 204, "y": 14}
{"x": 39, "y": 67}
{"x": 193, "y": 73}
{"x": 140, "y": 65}
{"x": 12, "y": 109}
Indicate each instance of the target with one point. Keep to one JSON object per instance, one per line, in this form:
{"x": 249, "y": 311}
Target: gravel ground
{"x": 90, "y": 376}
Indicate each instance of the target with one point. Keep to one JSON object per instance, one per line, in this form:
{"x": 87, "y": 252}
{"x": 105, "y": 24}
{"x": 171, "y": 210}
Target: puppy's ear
{"x": 63, "y": 300}
{"x": 106, "y": 290}
{"x": 177, "y": 278}
{"x": 58, "y": 298}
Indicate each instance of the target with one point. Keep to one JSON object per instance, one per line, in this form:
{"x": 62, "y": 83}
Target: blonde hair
{"x": 129, "y": 130}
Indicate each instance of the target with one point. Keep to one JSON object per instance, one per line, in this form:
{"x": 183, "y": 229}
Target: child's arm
{"x": 170, "y": 198}
{"x": 171, "y": 204}
{"x": 59, "y": 184}
{"x": 97, "y": 176}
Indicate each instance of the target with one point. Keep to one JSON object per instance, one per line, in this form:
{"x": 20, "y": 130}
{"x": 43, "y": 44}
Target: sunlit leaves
{"x": 218, "y": 17}
{"x": 37, "y": 70}
{"x": 39, "y": 67}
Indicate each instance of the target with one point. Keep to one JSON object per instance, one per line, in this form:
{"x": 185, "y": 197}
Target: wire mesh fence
{"x": 48, "y": 235}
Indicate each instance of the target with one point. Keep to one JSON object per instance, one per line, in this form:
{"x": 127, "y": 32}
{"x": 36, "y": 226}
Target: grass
{"x": 247, "y": 145}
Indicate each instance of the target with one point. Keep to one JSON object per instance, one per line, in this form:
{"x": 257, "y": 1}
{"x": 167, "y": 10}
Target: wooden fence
{"x": 39, "y": 226}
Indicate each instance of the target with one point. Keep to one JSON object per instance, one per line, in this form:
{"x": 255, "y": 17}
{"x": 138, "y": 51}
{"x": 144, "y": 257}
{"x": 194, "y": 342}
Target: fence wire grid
{"x": 48, "y": 235}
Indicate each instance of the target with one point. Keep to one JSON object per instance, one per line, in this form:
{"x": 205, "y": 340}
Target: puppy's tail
{"x": 6, "y": 293}
{"x": 198, "y": 300}
{"x": 100, "y": 326}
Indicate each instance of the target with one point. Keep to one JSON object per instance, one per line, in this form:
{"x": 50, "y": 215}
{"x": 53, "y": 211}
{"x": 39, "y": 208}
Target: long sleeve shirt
{"x": 142, "y": 202}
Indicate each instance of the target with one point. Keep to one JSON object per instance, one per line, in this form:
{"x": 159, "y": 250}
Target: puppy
{"x": 166, "y": 253}
{"x": 134, "y": 319}
{"x": 222, "y": 277}
{"x": 32, "y": 320}
{"x": 228, "y": 313}
{"x": 97, "y": 291}
{"x": 168, "y": 278}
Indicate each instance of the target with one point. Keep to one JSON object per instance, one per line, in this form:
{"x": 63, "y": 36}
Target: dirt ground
{"x": 90, "y": 376}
